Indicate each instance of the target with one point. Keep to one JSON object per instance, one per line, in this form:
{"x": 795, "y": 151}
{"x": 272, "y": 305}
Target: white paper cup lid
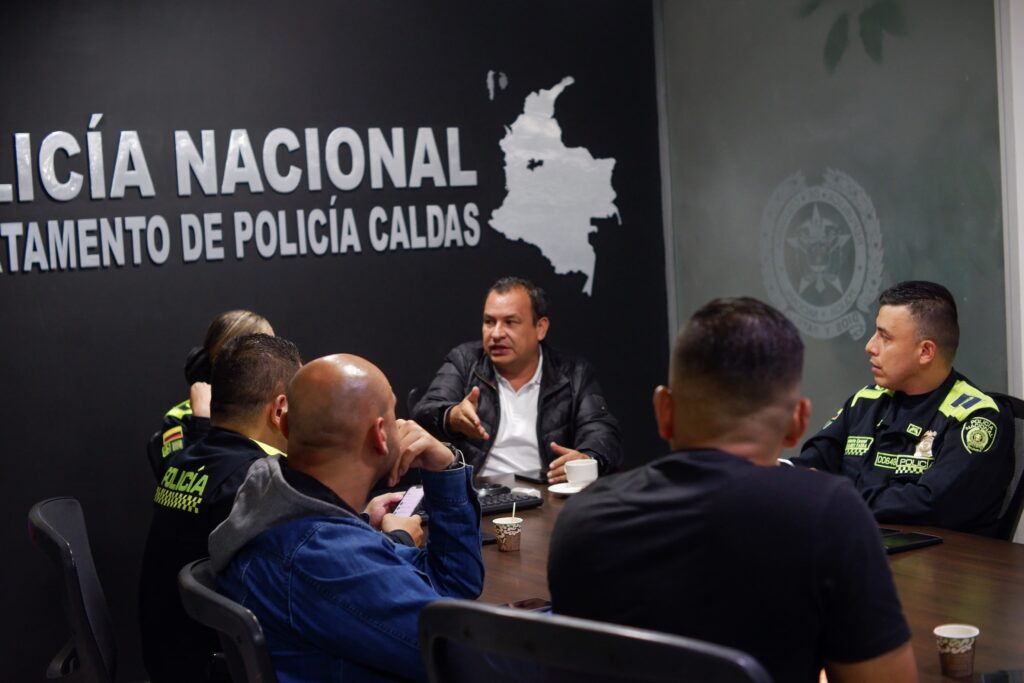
{"x": 957, "y": 631}
{"x": 509, "y": 520}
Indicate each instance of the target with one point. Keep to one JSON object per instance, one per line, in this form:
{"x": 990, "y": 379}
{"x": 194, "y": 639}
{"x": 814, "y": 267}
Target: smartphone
{"x": 534, "y": 476}
{"x": 897, "y": 543}
{"x": 410, "y": 501}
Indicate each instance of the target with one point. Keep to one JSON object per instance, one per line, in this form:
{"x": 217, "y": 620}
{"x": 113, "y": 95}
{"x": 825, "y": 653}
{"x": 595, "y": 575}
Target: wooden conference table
{"x": 965, "y": 579}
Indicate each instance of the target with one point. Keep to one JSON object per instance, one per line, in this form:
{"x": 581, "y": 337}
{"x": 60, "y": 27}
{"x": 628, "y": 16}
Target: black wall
{"x": 91, "y": 358}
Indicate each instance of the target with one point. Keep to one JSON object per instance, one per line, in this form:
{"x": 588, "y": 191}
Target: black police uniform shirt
{"x": 938, "y": 459}
{"x": 194, "y": 495}
{"x": 180, "y": 429}
{"x": 783, "y": 563}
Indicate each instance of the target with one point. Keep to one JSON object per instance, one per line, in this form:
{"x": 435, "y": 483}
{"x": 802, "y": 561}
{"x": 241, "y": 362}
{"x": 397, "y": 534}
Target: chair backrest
{"x": 1010, "y": 513}
{"x": 414, "y": 396}
{"x": 240, "y": 633}
{"x": 467, "y": 641}
{"x": 57, "y": 526}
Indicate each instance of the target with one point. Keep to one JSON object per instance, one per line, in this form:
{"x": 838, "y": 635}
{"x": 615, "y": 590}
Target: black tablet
{"x": 897, "y": 543}
{"x": 533, "y": 476}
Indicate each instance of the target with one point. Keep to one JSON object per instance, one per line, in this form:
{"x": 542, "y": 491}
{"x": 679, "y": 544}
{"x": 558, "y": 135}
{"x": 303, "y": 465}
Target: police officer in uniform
{"x": 196, "y": 492}
{"x": 189, "y": 421}
{"x": 923, "y": 445}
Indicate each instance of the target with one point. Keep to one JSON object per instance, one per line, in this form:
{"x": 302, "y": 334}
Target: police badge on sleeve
{"x": 978, "y": 434}
{"x": 821, "y": 254}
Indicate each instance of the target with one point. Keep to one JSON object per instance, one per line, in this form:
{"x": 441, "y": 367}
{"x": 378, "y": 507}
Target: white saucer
{"x": 565, "y": 489}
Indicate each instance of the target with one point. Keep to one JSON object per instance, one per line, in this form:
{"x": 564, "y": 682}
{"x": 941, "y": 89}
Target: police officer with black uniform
{"x": 923, "y": 445}
{"x": 195, "y": 494}
{"x": 189, "y": 421}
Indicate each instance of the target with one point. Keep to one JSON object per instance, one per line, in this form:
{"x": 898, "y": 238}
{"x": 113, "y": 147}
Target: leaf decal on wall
{"x": 890, "y": 17}
{"x": 835, "y": 44}
{"x": 871, "y": 34}
{"x": 807, "y": 7}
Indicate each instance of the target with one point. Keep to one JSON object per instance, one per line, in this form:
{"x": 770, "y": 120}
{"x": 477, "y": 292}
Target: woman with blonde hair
{"x": 188, "y": 421}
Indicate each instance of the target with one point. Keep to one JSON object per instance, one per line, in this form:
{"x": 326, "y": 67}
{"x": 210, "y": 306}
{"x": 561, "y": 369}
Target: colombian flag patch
{"x": 174, "y": 440}
{"x": 173, "y": 434}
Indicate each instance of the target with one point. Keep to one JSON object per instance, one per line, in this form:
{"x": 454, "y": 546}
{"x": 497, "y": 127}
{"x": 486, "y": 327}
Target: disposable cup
{"x": 508, "y": 531}
{"x": 956, "y": 649}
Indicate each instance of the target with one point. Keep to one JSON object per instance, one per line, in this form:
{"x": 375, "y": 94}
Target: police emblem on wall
{"x": 821, "y": 254}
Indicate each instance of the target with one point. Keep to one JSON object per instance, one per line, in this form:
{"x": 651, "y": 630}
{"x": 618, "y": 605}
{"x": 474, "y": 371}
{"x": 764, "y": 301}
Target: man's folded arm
{"x": 359, "y": 601}
{"x": 821, "y": 454}
{"x": 452, "y": 559}
{"x": 197, "y": 426}
{"x": 957, "y": 491}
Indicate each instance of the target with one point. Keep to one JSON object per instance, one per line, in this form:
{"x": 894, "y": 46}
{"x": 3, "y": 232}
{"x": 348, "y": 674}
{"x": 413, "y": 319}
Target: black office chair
{"x": 57, "y": 526}
{"x": 463, "y": 641}
{"x": 413, "y": 397}
{"x": 240, "y": 633}
{"x": 1013, "y": 502}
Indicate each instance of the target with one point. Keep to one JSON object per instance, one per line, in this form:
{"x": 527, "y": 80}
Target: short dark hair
{"x": 933, "y": 309}
{"x": 250, "y": 371}
{"x": 741, "y": 351}
{"x": 538, "y": 299}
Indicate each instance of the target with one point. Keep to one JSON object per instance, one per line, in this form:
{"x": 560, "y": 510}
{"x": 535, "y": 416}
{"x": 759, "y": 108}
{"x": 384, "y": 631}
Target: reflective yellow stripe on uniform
{"x": 180, "y": 411}
{"x": 871, "y": 393}
{"x": 269, "y": 450}
{"x": 963, "y": 399}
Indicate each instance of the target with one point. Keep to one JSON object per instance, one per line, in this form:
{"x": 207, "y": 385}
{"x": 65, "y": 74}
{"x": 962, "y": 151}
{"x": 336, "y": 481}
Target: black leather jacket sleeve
{"x": 596, "y": 429}
{"x": 446, "y": 390}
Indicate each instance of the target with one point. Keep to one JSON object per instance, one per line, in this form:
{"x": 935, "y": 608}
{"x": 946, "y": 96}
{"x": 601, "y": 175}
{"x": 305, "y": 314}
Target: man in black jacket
{"x": 511, "y": 403}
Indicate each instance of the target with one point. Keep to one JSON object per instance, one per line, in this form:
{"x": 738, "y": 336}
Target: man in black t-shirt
{"x": 716, "y": 542}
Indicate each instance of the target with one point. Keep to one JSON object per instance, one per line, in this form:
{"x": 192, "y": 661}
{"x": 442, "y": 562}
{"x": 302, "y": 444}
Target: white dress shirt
{"x": 515, "y": 446}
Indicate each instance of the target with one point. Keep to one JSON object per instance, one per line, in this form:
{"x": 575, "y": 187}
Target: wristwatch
{"x": 458, "y": 461}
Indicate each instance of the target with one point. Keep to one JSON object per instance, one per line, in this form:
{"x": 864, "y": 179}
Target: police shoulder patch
{"x": 978, "y": 434}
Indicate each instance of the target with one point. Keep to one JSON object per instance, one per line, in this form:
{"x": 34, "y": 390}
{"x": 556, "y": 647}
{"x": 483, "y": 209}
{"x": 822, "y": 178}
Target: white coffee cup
{"x": 581, "y": 472}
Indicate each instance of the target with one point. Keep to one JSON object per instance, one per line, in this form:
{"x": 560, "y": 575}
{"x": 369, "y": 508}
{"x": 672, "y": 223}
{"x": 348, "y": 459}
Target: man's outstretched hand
{"x": 462, "y": 418}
